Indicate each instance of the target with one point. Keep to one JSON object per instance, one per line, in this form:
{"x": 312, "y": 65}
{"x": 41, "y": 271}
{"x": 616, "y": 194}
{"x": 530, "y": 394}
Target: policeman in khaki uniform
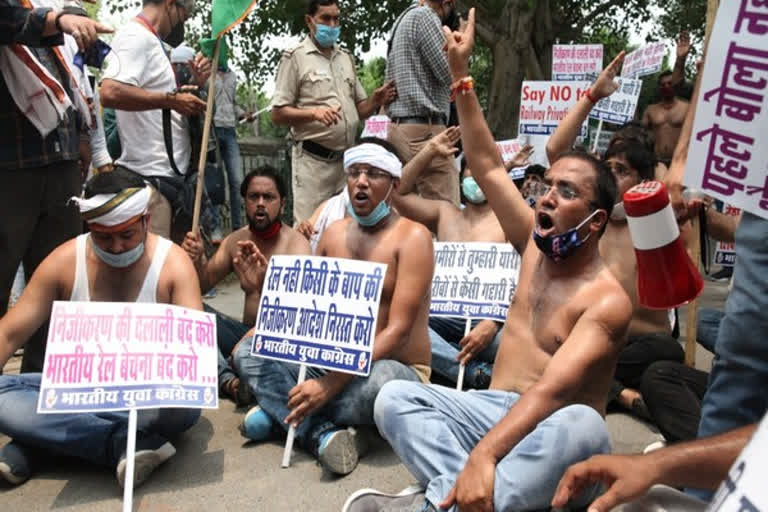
{"x": 318, "y": 95}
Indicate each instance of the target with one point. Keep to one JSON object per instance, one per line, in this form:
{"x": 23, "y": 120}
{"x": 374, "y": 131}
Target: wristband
{"x": 463, "y": 86}
{"x": 590, "y": 97}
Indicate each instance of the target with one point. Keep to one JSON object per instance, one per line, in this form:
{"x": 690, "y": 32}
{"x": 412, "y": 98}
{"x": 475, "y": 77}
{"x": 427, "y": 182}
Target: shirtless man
{"x": 119, "y": 261}
{"x": 329, "y": 402}
{"x": 631, "y": 161}
{"x": 665, "y": 118}
{"x": 246, "y": 252}
{"x": 475, "y": 223}
{"x": 506, "y": 448}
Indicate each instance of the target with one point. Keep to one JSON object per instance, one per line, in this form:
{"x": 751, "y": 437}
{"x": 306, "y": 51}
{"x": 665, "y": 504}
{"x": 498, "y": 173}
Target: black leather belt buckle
{"x": 318, "y": 150}
{"x": 420, "y": 120}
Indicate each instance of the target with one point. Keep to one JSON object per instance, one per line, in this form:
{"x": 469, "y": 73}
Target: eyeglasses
{"x": 371, "y": 174}
{"x": 563, "y": 190}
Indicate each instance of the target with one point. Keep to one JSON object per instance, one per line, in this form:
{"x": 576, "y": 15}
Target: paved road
{"x": 215, "y": 470}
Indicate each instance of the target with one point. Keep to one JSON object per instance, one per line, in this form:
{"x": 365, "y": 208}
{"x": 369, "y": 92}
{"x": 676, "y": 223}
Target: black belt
{"x": 420, "y": 120}
{"x": 313, "y": 148}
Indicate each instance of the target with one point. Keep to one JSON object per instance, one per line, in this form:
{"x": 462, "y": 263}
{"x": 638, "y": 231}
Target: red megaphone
{"x": 666, "y": 276}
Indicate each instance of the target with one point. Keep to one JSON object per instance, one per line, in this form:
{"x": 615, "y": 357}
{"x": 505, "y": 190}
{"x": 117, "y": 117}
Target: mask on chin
{"x": 378, "y": 214}
{"x": 559, "y": 247}
{"x": 619, "y": 213}
{"x": 472, "y": 191}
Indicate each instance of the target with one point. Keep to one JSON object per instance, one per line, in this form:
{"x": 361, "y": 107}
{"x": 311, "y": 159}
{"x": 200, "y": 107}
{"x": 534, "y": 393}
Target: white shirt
{"x": 138, "y": 58}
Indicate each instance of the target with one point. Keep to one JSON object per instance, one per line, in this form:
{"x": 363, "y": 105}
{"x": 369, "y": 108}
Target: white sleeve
{"x": 126, "y": 62}
{"x": 100, "y": 155}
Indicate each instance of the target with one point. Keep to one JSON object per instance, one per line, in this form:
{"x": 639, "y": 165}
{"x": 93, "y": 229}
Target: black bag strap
{"x": 168, "y": 136}
{"x": 397, "y": 24}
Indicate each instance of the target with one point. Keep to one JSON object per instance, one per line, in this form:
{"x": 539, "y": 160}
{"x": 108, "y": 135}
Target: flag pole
{"x": 206, "y": 135}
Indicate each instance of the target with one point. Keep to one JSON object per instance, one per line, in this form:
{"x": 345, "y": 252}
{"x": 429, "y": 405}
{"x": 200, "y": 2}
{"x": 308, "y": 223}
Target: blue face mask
{"x": 327, "y": 36}
{"x": 122, "y": 260}
{"x": 378, "y": 214}
{"x": 559, "y": 247}
{"x": 472, "y": 190}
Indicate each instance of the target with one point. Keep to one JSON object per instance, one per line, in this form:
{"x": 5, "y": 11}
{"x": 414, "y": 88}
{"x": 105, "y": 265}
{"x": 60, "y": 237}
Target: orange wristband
{"x": 463, "y": 86}
{"x": 590, "y": 97}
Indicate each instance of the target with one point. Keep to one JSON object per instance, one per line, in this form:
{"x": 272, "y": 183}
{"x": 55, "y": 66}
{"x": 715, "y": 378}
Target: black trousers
{"x": 673, "y": 393}
{"x": 638, "y": 354}
{"x": 35, "y": 218}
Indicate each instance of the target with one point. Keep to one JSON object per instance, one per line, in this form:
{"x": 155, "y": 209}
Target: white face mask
{"x": 619, "y": 213}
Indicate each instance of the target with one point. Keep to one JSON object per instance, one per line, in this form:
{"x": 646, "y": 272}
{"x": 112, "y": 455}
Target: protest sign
{"x": 576, "y": 61}
{"x": 544, "y": 104}
{"x": 319, "y": 312}
{"x": 474, "y": 280}
{"x": 725, "y": 252}
{"x": 725, "y": 158}
{"x": 619, "y": 107}
{"x": 111, "y": 356}
{"x": 376, "y": 126}
{"x": 602, "y": 139}
{"x": 508, "y": 149}
{"x": 644, "y": 61}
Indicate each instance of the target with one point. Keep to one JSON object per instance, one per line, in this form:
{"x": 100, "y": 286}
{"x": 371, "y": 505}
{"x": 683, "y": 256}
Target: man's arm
{"x": 513, "y": 212}
{"x": 38, "y": 27}
{"x": 381, "y": 97}
{"x": 33, "y": 307}
{"x": 700, "y": 464}
{"x": 722, "y": 227}
{"x": 418, "y": 209}
{"x": 443, "y": 144}
{"x": 122, "y": 96}
{"x": 591, "y": 344}
{"x": 185, "y": 288}
{"x": 209, "y": 272}
{"x": 681, "y": 54}
{"x": 568, "y": 129}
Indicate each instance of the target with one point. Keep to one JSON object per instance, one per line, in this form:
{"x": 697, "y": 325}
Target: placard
{"x": 474, "y": 280}
{"x": 544, "y": 104}
{"x": 111, "y": 356}
{"x": 725, "y": 252}
{"x": 603, "y": 142}
{"x": 727, "y": 156}
{"x": 644, "y": 61}
{"x": 319, "y": 311}
{"x": 619, "y": 107}
{"x": 376, "y": 126}
{"x": 576, "y": 61}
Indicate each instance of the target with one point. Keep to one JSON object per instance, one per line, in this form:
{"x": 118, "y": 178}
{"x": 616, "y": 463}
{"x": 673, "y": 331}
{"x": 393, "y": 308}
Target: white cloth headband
{"x": 114, "y": 209}
{"x": 375, "y": 156}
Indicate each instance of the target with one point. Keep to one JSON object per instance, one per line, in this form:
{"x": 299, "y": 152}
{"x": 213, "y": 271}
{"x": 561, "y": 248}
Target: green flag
{"x": 225, "y": 15}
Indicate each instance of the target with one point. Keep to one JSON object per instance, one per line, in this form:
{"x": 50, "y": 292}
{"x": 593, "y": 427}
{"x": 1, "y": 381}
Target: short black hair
{"x": 663, "y": 75}
{"x": 535, "y": 170}
{"x": 314, "y": 5}
{"x": 637, "y": 155}
{"x": 383, "y": 143}
{"x": 635, "y": 131}
{"x": 264, "y": 171}
{"x": 112, "y": 182}
{"x": 605, "y": 187}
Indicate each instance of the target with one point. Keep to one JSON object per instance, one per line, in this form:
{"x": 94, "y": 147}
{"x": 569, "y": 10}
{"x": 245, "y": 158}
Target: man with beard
{"x": 118, "y": 261}
{"x": 328, "y": 403}
{"x": 417, "y": 65}
{"x": 246, "y": 252}
{"x": 139, "y": 82}
{"x": 475, "y": 223}
{"x": 507, "y": 447}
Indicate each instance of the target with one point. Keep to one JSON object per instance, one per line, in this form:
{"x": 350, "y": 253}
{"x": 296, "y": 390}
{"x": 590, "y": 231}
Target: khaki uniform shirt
{"x": 306, "y": 78}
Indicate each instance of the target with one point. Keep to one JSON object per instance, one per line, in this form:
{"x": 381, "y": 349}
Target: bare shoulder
{"x": 413, "y": 236}
{"x": 609, "y": 304}
{"x": 178, "y": 261}
{"x": 60, "y": 264}
{"x": 295, "y": 242}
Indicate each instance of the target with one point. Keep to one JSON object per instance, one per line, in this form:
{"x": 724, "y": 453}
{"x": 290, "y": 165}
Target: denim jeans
{"x": 95, "y": 437}
{"x": 736, "y": 394}
{"x": 707, "y": 327}
{"x": 271, "y": 381}
{"x": 233, "y": 163}
{"x": 228, "y": 332}
{"x": 445, "y": 335}
{"x": 433, "y": 429}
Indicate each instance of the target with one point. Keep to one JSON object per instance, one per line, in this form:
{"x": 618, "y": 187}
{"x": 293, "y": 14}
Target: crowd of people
{"x": 576, "y": 342}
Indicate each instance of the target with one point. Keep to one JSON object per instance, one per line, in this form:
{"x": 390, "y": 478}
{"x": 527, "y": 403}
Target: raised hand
{"x": 444, "y": 144}
{"x": 683, "y": 45}
{"x": 459, "y": 45}
{"x": 250, "y": 266}
{"x": 605, "y": 85}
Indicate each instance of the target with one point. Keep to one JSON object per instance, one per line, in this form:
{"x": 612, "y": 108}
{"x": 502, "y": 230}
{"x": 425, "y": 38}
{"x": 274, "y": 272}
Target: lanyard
{"x": 144, "y": 21}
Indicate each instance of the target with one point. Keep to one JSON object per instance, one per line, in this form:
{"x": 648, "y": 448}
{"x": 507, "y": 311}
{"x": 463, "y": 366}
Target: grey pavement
{"x": 214, "y": 469}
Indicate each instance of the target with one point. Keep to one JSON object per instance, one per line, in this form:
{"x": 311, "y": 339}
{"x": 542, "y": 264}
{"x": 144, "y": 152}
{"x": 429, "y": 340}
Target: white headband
{"x": 375, "y": 156}
{"x": 114, "y": 209}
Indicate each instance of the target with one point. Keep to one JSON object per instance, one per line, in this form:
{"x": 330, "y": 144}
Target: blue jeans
{"x": 433, "y": 429}
{"x": 707, "y": 327}
{"x": 228, "y": 332}
{"x": 445, "y": 335}
{"x": 99, "y": 438}
{"x": 271, "y": 381}
{"x": 736, "y": 394}
{"x": 230, "y": 153}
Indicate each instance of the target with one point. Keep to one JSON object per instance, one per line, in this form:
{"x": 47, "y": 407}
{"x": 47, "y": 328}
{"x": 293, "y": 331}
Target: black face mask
{"x": 452, "y": 19}
{"x": 176, "y": 37}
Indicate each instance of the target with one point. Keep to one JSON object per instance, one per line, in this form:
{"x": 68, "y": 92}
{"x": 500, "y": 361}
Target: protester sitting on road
{"x": 246, "y": 252}
{"x": 506, "y": 448}
{"x": 118, "y": 261}
{"x": 327, "y": 403}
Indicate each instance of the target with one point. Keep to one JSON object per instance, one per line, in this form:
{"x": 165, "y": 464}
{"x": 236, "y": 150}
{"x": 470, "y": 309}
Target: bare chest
{"x": 460, "y": 229}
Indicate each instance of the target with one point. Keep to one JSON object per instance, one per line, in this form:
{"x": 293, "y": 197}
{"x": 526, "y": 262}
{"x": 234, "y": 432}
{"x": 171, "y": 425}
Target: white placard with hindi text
{"x": 725, "y": 252}
{"x": 728, "y": 157}
{"x": 376, "y": 126}
{"x": 474, "y": 280}
{"x": 319, "y": 312}
{"x": 644, "y": 61}
{"x": 619, "y": 107}
{"x": 544, "y": 104}
{"x": 603, "y": 142}
{"x": 111, "y": 356}
{"x": 576, "y": 61}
